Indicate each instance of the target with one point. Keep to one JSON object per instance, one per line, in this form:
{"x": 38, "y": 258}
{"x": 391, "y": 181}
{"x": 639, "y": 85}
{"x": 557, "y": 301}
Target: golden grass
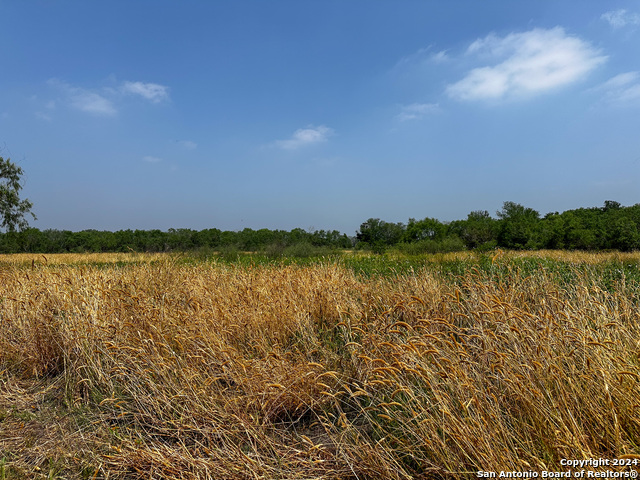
{"x": 36, "y": 259}
{"x": 591, "y": 258}
{"x": 581, "y": 257}
{"x": 176, "y": 371}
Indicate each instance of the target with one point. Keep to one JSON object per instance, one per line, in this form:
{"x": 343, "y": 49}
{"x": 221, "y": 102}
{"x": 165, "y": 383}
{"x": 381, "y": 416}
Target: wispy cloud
{"x": 188, "y": 144}
{"x": 43, "y": 116}
{"x": 416, "y": 111}
{"x": 439, "y": 57}
{"x": 50, "y": 106}
{"x": 621, "y": 18}
{"x": 620, "y": 81}
{"x": 421, "y": 58}
{"x": 525, "y": 63}
{"x": 150, "y": 91}
{"x": 622, "y": 90}
{"x": 416, "y": 57}
{"x": 150, "y": 159}
{"x": 305, "y": 136}
{"x": 91, "y": 102}
{"x": 84, "y": 100}
{"x": 105, "y": 101}
{"x": 629, "y": 95}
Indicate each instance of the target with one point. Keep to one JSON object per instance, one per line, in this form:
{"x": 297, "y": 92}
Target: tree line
{"x": 32, "y": 240}
{"x": 610, "y": 227}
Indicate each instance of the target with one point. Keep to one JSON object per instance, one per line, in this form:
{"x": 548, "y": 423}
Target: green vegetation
{"x": 12, "y": 209}
{"x": 611, "y": 227}
{"x": 32, "y": 240}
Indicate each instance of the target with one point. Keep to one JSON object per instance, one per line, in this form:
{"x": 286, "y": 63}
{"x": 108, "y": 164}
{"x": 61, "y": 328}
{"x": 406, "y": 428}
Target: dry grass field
{"x": 154, "y": 367}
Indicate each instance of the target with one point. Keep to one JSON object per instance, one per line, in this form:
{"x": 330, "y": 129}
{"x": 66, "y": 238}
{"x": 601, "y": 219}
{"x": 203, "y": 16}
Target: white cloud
{"x": 50, "y": 106}
{"x": 305, "y": 136}
{"x": 620, "y": 80}
{"x": 43, "y": 116}
{"x": 150, "y": 159}
{"x": 629, "y": 95}
{"x": 621, "y": 18}
{"x": 440, "y": 57}
{"x": 622, "y": 90}
{"x": 416, "y": 111}
{"x": 416, "y": 57}
{"x": 105, "y": 101}
{"x": 188, "y": 144}
{"x": 421, "y": 58}
{"x": 526, "y": 63}
{"x": 83, "y": 99}
{"x": 92, "y": 103}
{"x": 150, "y": 91}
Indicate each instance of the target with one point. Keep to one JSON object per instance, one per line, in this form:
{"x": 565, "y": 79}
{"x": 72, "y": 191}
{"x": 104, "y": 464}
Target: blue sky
{"x": 317, "y": 114}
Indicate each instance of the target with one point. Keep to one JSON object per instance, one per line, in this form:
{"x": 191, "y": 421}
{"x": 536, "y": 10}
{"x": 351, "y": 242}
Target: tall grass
{"x": 433, "y": 368}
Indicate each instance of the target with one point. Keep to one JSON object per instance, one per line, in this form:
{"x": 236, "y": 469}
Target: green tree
{"x": 611, "y": 205}
{"x": 626, "y": 235}
{"x": 12, "y": 209}
{"x": 519, "y": 227}
{"x": 426, "y": 229}
{"x": 479, "y": 229}
{"x": 378, "y": 234}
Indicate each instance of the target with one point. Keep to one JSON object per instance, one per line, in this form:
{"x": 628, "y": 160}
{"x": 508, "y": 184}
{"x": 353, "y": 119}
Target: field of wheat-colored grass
{"x": 33, "y": 259}
{"x": 153, "y": 367}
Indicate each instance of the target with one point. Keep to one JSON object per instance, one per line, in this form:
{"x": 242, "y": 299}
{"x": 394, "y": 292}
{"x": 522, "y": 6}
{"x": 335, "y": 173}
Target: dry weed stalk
{"x": 222, "y": 371}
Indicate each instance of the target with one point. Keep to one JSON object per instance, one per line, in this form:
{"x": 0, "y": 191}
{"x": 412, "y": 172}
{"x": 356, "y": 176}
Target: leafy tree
{"x": 56, "y": 241}
{"x": 378, "y": 234}
{"x": 611, "y": 205}
{"x": 228, "y": 238}
{"x": 581, "y": 229}
{"x": 180, "y": 238}
{"x": 12, "y": 209}
{"x": 626, "y": 235}
{"x": 479, "y": 229}
{"x": 152, "y": 240}
{"x": 208, "y": 238}
{"x": 519, "y": 226}
{"x": 426, "y": 229}
{"x": 333, "y": 238}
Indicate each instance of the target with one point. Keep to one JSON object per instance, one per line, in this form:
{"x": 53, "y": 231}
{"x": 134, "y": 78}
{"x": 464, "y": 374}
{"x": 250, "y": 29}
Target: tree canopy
{"x": 12, "y": 209}
{"x": 610, "y": 227}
